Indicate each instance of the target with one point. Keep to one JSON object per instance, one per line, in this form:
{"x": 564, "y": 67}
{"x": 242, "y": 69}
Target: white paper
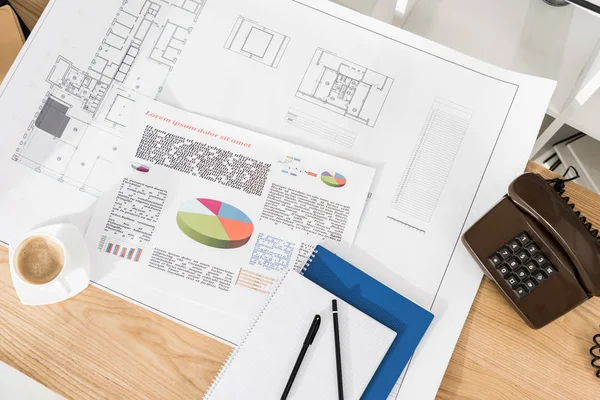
{"x": 190, "y": 56}
{"x": 259, "y": 368}
{"x": 447, "y": 134}
{"x": 214, "y": 214}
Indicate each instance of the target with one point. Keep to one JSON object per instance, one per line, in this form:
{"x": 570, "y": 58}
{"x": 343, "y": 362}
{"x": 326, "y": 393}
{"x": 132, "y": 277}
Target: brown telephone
{"x": 543, "y": 255}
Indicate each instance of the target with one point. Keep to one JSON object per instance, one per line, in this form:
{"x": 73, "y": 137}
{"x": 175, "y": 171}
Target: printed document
{"x": 446, "y": 133}
{"x": 214, "y": 215}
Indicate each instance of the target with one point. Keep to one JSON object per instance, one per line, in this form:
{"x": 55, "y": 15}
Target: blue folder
{"x": 409, "y": 320}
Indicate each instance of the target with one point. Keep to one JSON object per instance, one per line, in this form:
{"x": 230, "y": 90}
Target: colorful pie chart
{"x": 214, "y": 223}
{"x": 140, "y": 167}
{"x": 333, "y": 179}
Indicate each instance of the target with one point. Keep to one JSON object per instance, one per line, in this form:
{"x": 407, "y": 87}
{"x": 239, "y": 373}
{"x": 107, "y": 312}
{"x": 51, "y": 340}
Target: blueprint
{"x": 445, "y": 132}
{"x": 70, "y": 124}
{"x": 344, "y": 87}
{"x": 256, "y": 42}
{"x": 81, "y": 115}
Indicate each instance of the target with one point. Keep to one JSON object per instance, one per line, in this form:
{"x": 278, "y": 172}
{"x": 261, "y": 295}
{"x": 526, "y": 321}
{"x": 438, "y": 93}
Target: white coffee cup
{"x": 59, "y": 279}
{"x": 73, "y": 276}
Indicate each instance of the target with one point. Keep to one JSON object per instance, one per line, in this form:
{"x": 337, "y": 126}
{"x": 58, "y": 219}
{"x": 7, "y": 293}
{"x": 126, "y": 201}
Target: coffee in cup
{"x": 39, "y": 259}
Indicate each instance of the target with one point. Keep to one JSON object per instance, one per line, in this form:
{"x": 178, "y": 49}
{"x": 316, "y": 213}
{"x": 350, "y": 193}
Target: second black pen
{"x": 338, "y": 350}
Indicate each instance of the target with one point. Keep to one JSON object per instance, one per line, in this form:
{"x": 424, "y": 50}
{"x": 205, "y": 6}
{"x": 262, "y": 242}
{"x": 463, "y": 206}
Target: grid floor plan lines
{"x": 256, "y": 42}
{"x": 344, "y": 87}
{"x": 432, "y": 159}
{"x": 76, "y": 131}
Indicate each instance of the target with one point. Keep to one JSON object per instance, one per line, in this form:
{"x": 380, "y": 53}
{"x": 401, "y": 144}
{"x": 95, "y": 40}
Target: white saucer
{"x": 76, "y": 273}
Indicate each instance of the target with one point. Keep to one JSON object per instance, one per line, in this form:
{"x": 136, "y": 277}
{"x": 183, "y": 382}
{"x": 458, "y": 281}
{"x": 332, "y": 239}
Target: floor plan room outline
{"x": 344, "y": 87}
{"x": 256, "y": 42}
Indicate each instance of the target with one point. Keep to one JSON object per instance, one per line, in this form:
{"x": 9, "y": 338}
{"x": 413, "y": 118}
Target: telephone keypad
{"x": 527, "y": 269}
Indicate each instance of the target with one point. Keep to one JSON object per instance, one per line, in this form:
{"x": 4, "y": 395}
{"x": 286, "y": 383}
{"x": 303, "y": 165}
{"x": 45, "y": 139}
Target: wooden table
{"x": 99, "y": 346}
{"x": 29, "y": 10}
{"x": 499, "y": 357}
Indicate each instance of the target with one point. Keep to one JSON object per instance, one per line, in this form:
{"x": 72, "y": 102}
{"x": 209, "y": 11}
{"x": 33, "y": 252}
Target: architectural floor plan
{"x": 76, "y": 131}
{"x": 346, "y": 88}
{"x": 256, "y": 42}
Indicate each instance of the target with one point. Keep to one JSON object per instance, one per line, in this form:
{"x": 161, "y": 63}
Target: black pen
{"x": 310, "y": 336}
{"x": 338, "y": 350}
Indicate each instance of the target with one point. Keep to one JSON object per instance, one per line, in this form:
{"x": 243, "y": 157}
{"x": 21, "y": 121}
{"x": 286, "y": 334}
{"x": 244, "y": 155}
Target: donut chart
{"x": 214, "y": 223}
{"x": 333, "y": 179}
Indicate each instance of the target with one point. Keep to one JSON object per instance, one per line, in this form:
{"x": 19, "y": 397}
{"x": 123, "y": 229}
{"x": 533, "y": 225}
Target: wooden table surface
{"x": 96, "y": 345}
{"x": 29, "y": 10}
{"x": 499, "y": 357}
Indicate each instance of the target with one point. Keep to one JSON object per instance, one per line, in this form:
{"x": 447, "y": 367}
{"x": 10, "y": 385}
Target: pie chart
{"x": 214, "y": 223}
{"x": 140, "y": 167}
{"x": 333, "y": 179}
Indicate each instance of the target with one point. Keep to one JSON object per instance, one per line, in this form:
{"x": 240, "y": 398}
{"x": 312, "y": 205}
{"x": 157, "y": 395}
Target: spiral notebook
{"x": 372, "y": 297}
{"x": 260, "y": 367}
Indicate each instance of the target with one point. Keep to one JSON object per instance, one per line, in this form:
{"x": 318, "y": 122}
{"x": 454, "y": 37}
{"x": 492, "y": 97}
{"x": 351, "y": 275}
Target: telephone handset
{"x": 543, "y": 255}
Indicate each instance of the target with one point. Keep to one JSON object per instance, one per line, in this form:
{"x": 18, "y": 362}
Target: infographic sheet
{"x": 213, "y": 215}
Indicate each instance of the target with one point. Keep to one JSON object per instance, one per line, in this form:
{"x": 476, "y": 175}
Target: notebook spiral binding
{"x": 311, "y": 258}
{"x": 234, "y": 352}
{"x": 559, "y": 186}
